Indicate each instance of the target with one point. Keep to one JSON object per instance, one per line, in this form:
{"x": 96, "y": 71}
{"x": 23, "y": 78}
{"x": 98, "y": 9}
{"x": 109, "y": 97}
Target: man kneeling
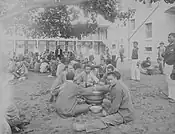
{"x": 121, "y": 110}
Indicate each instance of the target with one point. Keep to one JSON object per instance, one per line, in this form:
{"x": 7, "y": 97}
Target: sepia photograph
{"x": 87, "y": 66}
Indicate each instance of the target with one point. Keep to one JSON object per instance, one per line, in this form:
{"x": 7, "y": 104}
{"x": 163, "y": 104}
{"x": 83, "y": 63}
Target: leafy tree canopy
{"x": 151, "y": 1}
{"x": 57, "y": 21}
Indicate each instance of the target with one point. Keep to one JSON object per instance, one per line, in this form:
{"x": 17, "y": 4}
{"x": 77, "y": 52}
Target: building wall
{"x": 162, "y": 25}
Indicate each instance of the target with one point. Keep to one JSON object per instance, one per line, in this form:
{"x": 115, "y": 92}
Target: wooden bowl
{"x": 96, "y": 109}
{"x": 97, "y": 93}
{"x": 94, "y": 97}
{"x": 96, "y": 102}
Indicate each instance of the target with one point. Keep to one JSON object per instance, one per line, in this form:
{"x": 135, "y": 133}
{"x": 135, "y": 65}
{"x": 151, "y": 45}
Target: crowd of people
{"x": 78, "y": 76}
{"x": 49, "y": 62}
{"x": 165, "y": 65}
{"x": 64, "y": 66}
{"x": 78, "y": 80}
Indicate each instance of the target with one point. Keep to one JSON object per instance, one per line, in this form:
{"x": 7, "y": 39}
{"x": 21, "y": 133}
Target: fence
{"x": 23, "y": 46}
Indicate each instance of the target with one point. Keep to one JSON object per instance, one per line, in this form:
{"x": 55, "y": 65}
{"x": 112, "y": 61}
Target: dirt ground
{"x": 153, "y": 113}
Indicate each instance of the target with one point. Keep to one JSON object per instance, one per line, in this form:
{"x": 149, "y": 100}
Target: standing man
{"x": 161, "y": 50}
{"x": 114, "y": 55}
{"x": 170, "y": 69}
{"x": 58, "y": 52}
{"x": 121, "y": 51}
{"x": 135, "y": 73}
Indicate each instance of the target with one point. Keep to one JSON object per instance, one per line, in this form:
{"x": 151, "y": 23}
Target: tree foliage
{"x": 54, "y": 22}
{"x": 79, "y": 29}
{"x": 50, "y": 25}
{"x": 107, "y": 8}
{"x": 152, "y": 1}
{"x": 57, "y": 21}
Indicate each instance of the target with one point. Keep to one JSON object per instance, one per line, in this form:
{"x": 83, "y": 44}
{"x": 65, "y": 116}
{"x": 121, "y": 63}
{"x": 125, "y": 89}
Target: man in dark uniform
{"x": 58, "y": 52}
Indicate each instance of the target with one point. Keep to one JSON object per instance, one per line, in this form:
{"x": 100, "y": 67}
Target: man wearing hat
{"x": 135, "y": 73}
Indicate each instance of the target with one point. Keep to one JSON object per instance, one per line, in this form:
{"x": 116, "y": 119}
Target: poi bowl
{"x": 96, "y": 109}
{"x": 94, "y": 102}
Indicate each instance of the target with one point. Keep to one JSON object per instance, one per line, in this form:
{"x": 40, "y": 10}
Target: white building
{"x": 150, "y": 25}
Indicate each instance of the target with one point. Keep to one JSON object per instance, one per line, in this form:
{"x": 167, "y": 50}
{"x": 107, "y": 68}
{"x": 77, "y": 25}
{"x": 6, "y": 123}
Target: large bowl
{"x": 97, "y": 93}
{"x": 95, "y": 102}
{"x": 94, "y": 97}
{"x": 96, "y": 109}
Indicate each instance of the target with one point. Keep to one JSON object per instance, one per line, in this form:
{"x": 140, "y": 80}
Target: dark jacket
{"x": 58, "y": 55}
{"x": 135, "y": 53}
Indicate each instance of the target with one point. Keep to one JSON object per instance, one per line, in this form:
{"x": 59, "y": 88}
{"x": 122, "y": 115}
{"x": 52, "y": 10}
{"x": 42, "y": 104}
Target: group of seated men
{"x": 43, "y": 63}
{"x": 75, "y": 82}
{"x": 147, "y": 67}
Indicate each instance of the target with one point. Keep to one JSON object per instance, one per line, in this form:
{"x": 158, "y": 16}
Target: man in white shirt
{"x": 168, "y": 71}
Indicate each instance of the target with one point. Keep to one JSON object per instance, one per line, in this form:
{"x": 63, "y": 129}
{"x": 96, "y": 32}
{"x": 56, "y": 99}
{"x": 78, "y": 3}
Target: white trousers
{"x": 170, "y": 82}
{"x": 135, "y": 71}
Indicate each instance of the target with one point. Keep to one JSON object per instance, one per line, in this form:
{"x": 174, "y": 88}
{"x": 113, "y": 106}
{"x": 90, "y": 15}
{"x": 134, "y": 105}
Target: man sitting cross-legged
{"x": 67, "y": 100}
{"x": 120, "y": 111}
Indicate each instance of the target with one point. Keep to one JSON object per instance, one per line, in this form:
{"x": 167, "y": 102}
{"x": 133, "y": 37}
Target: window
{"x": 148, "y": 30}
{"x": 148, "y": 49}
{"x": 102, "y": 33}
{"x": 132, "y": 24}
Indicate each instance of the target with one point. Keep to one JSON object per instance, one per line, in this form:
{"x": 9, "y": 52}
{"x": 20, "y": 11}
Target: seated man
{"x": 86, "y": 78}
{"x": 102, "y": 69}
{"x": 146, "y": 63}
{"x": 78, "y": 68}
{"x": 61, "y": 79}
{"x": 60, "y": 67}
{"x": 67, "y": 101}
{"x": 37, "y": 66}
{"x": 109, "y": 68}
{"x": 13, "y": 117}
{"x": 121, "y": 110}
{"x": 44, "y": 66}
{"x": 21, "y": 71}
{"x": 147, "y": 67}
{"x": 53, "y": 67}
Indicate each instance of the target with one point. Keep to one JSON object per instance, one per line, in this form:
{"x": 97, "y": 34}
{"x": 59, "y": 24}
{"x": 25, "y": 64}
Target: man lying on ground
{"x": 121, "y": 110}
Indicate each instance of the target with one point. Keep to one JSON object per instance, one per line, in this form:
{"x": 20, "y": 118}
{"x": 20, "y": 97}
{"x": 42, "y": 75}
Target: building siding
{"x": 162, "y": 25}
